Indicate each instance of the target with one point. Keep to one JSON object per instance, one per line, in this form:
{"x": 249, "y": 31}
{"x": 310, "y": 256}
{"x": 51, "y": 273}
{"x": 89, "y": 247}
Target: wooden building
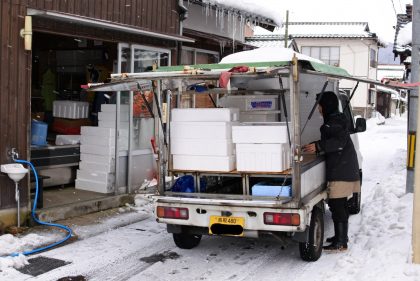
{"x": 61, "y": 28}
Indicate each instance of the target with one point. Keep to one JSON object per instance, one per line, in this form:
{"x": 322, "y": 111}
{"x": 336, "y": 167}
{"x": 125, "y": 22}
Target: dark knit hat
{"x": 328, "y": 102}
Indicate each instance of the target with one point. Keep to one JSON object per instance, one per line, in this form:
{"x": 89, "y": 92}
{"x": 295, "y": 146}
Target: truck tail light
{"x": 172, "y": 213}
{"x": 281, "y": 219}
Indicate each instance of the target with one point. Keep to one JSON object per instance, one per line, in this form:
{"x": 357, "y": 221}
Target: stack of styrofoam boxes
{"x": 97, "y": 151}
{"x": 261, "y": 147}
{"x": 70, "y": 109}
{"x": 201, "y": 139}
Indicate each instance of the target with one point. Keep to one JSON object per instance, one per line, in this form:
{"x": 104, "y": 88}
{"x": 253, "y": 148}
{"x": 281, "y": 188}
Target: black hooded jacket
{"x": 338, "y": 148}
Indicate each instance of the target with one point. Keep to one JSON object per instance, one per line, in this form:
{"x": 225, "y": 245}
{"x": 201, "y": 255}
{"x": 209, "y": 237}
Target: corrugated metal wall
{"x": 15, "y": 72}
{"x": 15, "y": 79}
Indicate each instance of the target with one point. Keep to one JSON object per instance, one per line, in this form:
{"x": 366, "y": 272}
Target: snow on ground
{"x": 379, "y": 248}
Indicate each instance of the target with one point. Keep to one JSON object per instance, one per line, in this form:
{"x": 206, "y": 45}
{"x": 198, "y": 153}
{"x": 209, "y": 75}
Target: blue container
{"x": 39, "y": 132}
{"x": 268, "y": 189}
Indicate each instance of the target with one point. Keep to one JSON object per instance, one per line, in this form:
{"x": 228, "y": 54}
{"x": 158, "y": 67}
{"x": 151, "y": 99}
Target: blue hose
{"x": 26, "y": 253}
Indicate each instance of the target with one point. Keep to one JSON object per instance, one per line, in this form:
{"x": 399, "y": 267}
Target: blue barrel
{"x": 39, "y": 132}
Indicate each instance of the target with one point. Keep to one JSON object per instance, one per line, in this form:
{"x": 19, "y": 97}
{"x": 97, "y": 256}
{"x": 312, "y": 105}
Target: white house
{"x": 349, "y": 45}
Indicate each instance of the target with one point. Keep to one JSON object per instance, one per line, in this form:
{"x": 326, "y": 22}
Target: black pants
{"x": 339, "y": 209}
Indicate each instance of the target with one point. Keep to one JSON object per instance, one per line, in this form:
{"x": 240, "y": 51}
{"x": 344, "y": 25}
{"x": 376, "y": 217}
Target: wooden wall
{"x": 15, "y": 72}
{"x": 154, "y": 15}
{"x": 15, "y": 81}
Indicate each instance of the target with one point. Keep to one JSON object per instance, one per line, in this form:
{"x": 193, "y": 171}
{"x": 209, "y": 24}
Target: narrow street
{"x": 379, "y": 238}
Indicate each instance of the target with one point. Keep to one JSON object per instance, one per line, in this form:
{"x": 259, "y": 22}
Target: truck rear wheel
{"x": 186, "y": 241}
{"x": 312, "y": 249}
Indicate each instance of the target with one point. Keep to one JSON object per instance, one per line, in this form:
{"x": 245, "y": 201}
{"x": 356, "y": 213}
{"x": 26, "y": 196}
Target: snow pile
{"x": 265, "y": 8}
{"x": 266, "y": 54}
{"x": 405, "y": 35}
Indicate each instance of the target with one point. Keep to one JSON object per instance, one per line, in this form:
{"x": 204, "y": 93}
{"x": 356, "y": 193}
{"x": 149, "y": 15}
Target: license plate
{"x": 233, "y": 223}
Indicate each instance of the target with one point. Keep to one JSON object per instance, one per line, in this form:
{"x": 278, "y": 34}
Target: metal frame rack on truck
{"x": 223, "y": 200}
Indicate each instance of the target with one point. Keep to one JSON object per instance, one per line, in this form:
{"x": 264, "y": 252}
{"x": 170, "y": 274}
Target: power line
{"x": 393, "y": 6}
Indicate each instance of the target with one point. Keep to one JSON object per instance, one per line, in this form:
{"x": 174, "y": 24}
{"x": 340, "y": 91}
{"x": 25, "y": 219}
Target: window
{"x": 329, "y": 55}
{"x": 198, "y": 56}
{"x": 373, "y": 62}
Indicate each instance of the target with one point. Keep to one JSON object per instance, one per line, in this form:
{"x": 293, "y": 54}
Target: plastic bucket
{"x": 39, "y": 132}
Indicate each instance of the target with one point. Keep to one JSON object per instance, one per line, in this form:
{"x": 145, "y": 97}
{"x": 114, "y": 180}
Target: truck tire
{"x": 186, "y": 241}
{"x": 354, "y": 203}
{"x": 312, "y": 249}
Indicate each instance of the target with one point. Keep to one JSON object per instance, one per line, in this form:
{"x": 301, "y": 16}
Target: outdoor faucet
{"x": 14, "y": 154}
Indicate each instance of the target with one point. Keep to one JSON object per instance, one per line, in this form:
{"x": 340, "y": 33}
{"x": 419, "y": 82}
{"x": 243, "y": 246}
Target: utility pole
{"x": 286, "y": 34}
{"x": 413, "y": 111}
{"x": 413, "y": 100}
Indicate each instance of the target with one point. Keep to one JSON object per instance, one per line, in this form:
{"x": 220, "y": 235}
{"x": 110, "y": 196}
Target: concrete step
{"x": 84, "y": 207}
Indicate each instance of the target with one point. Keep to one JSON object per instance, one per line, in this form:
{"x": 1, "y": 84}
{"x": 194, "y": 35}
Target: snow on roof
{"x": 390, "y": 72}
{"x": 330, "y": 29}
{"x": 268, "y": 54}
{"x": 264, "y": 8}
{"x": 405, "y": 35}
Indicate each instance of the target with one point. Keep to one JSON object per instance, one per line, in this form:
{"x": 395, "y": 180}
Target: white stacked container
{"x": 97, "y": 151}
{"x": 261, "y": 147}
{"x": 201, "y": 139}
{"x": 70, "y": 109}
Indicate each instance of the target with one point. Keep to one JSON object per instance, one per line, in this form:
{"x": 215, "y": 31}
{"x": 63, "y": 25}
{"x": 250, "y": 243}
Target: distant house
{"x": 350, "y": 45}
{"x": 275, "y": 40}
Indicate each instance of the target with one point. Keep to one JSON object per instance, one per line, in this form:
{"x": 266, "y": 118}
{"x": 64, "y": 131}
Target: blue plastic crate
{"x": 267, "y": 189}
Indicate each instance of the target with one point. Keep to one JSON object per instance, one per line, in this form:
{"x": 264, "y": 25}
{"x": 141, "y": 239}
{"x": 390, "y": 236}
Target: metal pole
{"x": 414, "y": 110}
{"x": 17, "y": 197}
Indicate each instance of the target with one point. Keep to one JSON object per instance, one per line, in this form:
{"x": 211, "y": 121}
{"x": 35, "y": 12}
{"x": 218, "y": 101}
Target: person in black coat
{"x": 342, "y": 168}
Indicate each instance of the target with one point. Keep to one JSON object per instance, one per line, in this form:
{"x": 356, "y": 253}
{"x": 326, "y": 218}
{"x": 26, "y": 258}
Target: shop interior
{"x": 60, "y": 65}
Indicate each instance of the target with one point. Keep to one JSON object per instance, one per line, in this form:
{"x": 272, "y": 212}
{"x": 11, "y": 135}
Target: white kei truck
{"x": 229, "y": 158}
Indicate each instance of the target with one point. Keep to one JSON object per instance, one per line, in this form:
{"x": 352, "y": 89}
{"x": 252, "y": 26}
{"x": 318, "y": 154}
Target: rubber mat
{"x": 40, "y": 265}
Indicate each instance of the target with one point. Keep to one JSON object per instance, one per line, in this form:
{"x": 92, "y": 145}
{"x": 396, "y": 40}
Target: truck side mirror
{"x": 360, "y": 125}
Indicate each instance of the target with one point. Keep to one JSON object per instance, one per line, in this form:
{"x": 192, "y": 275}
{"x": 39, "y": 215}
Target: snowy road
{"x": 379, "y": 249}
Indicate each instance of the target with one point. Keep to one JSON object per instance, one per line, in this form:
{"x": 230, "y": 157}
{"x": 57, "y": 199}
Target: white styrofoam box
{"x": 86, "y": 139}
{"x": 70, "y": 109}
{"x": 113, "y": 108}
{"x": 112, "y": 124}
{"x": 94, "y": 186}
{"x": 205, "y": 114}
{"x": 94, "y": 166}
{"x": 99, "y": 149}
{"x": 202, "y": 130}
{"x": 262, "y": 157}
{"x": 67, "y": 139}
{"x": 204, "y": 163}
{"x": 101, "y": 132}
{"x": 95, "y": 158}
{"x": 97, "y": 176}
{"x": 275, "y": 132}
{"x": 207, "y": 147}
{"x": 111, "y": 116}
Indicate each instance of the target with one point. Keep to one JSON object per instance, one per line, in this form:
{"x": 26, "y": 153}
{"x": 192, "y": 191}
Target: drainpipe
{"x": 183, "y": 15}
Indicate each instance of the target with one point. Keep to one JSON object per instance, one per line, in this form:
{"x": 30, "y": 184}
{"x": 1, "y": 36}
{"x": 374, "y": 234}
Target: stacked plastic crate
{"x": 97, "y": 150}
{"x": 201, "y": 139}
